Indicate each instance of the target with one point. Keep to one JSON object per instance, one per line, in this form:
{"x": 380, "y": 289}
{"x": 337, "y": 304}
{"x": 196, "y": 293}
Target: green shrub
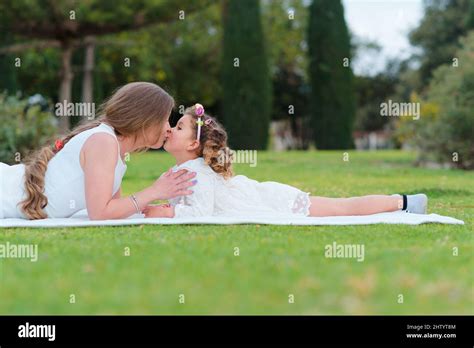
{"x": 447, "y": 135}
{"x": 22, "y": 129}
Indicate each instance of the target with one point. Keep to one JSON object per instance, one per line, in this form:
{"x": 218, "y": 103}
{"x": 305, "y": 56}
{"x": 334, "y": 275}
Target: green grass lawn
{"x": 274, "y": 261}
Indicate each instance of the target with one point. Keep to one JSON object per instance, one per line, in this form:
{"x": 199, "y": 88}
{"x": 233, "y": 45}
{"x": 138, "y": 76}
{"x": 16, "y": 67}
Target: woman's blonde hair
{"x": 213, "y": 144}
{"x": 130, "y": 110}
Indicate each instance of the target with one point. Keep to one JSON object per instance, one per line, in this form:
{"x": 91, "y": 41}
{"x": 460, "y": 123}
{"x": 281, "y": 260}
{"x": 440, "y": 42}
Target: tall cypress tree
{"x": 246, "y": 82}
{"x": 8, "y": 78}
{"x": 332, "y": 93}
{"x": 470, "y": 18}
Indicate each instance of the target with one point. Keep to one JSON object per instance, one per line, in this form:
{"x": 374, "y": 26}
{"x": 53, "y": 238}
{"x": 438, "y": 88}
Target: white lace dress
{"x": 237, "y": 196}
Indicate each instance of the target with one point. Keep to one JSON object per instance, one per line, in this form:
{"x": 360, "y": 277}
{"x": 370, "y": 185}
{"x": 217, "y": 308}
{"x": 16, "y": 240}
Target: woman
{"x": 85, "y": 169}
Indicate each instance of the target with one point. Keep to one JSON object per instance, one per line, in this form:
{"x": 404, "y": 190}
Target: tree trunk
{"x": 65, "y": 88}
{"x": 88, "y": 77}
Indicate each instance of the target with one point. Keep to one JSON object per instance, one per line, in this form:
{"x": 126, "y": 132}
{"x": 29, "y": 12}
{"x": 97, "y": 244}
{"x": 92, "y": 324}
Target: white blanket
{"x": 81, "y": 219}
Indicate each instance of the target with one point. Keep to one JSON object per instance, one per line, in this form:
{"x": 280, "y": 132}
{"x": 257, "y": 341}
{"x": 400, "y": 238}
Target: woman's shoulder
{"x": 103, "y": 140}
{"x": 100, "y": 135}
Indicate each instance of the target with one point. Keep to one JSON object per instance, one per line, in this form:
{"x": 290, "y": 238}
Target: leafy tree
{"x": 285, "y": 27}
{"x": 444, "y": 22}
{"x": 68, "y": 24}
{"x": 446, "y": 126}
{"x": 187, "y": 63}
{"x": 290, "y": 102}
{"x": 371, "y": 91}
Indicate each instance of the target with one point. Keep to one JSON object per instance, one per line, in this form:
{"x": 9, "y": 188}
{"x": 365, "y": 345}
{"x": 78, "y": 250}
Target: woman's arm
{"x": 118, "y": 193}
{"x": 99, "y": 171}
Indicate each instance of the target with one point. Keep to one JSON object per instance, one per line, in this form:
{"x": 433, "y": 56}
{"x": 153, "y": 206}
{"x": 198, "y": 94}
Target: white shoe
{"x": 417, "y": 204}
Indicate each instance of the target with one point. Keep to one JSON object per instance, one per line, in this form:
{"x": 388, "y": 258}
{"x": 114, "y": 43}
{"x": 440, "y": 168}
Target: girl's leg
{"x": 363, "y": 205}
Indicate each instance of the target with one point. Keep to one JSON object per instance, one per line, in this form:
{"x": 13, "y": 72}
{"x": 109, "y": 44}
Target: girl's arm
{"x": 159, "y": 210}
{"x": 99, "y": 171}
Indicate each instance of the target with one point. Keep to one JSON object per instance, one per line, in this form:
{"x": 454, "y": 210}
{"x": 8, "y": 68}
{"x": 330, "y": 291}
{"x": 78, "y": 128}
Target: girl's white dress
{"x": 237, "y": 196}
{"x": 64, "y": 180}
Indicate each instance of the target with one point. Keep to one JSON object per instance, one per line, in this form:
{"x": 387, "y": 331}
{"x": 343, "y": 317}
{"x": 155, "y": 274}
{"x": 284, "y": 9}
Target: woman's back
{"x": 64, "y": 180}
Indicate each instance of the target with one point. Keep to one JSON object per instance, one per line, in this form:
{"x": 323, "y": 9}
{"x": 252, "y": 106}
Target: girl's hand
{"x": 170, "y": 185}
{"x": 160, "y": 210}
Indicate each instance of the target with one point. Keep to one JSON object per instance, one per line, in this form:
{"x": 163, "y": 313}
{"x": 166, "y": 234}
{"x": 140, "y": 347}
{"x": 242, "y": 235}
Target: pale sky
{"x": 387, "y": 22}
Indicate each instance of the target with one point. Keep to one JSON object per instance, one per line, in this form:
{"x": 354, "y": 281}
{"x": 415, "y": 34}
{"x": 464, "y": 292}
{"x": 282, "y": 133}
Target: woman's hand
{"x": 160, "y": 210}
{"x": 171, "y": 185}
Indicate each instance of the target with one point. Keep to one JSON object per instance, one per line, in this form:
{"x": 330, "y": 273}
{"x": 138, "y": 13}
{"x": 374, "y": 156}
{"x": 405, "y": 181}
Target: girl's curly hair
{"x": 213, "y": 144}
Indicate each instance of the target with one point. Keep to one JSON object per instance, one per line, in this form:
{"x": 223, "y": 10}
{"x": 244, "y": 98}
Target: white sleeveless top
{"x": 64, "y": 179}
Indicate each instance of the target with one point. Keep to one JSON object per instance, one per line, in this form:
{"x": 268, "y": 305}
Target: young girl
{"x": 86, "y": 167}
{"x": 199, "y": 143}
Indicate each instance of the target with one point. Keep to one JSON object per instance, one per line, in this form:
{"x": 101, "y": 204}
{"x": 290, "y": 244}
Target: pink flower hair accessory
{"x": 199, "y": 111}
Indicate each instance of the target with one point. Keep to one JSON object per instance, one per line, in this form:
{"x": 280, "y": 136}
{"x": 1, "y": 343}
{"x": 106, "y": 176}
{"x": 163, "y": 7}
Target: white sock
{"x": 417, "y": 204}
